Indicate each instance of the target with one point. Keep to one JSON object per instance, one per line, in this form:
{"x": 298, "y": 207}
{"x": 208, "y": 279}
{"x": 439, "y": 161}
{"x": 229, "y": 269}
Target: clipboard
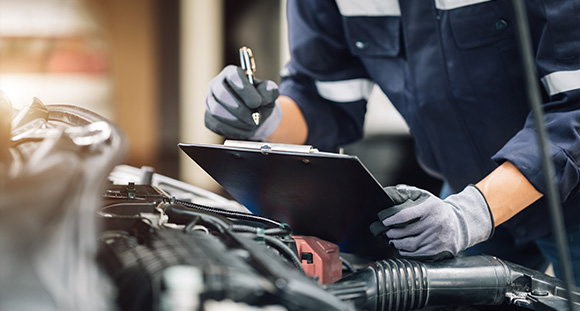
{"x": 321, "y": 194}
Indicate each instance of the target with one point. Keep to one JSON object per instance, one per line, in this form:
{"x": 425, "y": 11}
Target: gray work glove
{"x": 422, "y": 226}
{"x": 231, "y": 100}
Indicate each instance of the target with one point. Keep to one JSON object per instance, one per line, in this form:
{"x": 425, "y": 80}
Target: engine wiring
{"x": 233, "y": 214}
{"x": 256, "y": 233}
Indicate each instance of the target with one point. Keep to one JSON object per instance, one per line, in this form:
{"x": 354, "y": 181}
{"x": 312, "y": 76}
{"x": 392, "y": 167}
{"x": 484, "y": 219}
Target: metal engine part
{"x": 239, "y": 258}
{"x": 54, "y": 164}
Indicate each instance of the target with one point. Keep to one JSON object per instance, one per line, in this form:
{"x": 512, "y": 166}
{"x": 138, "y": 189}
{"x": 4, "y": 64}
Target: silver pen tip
{"x": 256, "y": 117}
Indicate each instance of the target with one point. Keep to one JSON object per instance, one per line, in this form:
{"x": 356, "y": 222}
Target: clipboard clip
{"x": 266, "y": 147}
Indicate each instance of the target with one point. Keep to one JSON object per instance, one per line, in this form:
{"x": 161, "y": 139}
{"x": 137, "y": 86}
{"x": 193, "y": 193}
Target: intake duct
{"x": 400, "y": 284}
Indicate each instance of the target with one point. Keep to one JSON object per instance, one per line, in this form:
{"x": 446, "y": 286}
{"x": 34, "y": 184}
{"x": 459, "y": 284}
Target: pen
{"x": 249, "y": 66}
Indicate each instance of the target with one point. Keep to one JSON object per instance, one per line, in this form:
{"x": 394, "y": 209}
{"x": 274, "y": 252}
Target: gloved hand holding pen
{"x": 232, "y": 99}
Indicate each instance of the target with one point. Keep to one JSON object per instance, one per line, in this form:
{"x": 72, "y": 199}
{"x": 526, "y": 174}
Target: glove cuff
{"x": 269, "y": 125}
{"x": 476, "y": 214}
{"x": 488, "y": 210}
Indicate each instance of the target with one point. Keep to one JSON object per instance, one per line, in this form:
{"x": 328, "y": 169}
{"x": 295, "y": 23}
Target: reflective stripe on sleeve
{"x": 284, "y": 72}
{"x": 454, "y": 4}
{"x": 346, "y": 90}
{"x": 561, "y": 81}
{"x": 369, "y": 7}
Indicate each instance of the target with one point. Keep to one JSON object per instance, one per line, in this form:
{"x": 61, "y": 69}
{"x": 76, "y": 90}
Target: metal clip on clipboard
{"x": 265, "y": 147}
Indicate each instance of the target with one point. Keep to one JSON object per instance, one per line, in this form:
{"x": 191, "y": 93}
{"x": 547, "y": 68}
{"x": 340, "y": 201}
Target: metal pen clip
{"x": 249, "y": 66}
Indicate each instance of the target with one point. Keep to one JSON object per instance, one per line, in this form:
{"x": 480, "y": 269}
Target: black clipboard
{"x": 327, "y": 195}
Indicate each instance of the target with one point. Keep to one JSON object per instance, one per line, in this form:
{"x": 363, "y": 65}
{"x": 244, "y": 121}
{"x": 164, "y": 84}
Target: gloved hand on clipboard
{"x": 232, "y": 99}
{"x": 423, "y": 226}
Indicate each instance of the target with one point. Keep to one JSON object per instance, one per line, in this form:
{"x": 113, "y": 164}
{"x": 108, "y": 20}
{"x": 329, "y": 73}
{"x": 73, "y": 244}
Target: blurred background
{"x": 145, "y": 65}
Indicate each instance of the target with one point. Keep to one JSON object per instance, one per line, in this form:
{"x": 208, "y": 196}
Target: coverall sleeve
{"x": 556, "y": 36}
{"x": 322, "y": 75}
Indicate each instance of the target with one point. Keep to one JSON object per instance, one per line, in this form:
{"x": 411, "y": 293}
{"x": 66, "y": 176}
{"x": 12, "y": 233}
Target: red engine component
{"x": 320, "y": 258}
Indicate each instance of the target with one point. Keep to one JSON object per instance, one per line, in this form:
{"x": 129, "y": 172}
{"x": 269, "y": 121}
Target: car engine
{"x": 81, "y": 231}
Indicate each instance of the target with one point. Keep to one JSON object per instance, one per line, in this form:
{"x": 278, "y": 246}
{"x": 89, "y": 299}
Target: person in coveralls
{"x": 452, "y": 69}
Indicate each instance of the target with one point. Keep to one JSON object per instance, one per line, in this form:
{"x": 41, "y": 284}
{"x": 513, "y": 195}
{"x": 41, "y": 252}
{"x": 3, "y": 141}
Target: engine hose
{"x": 282, "y": 248}
{"x": 180, "y": 215}
{"x": 400, "y": 284}
{"x": 236, "y": 215}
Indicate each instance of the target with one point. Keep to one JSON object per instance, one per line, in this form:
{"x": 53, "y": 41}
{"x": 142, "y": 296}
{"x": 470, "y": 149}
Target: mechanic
{"x": 453, "y": 71}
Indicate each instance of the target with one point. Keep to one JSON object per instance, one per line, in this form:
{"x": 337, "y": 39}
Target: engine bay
{"x": 81, "y": 231}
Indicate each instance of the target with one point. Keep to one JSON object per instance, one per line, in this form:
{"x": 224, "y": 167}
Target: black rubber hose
{"x": 282, "y": 248}
{"x": 400, "y": 284}
{"x": 183, "y": 216}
